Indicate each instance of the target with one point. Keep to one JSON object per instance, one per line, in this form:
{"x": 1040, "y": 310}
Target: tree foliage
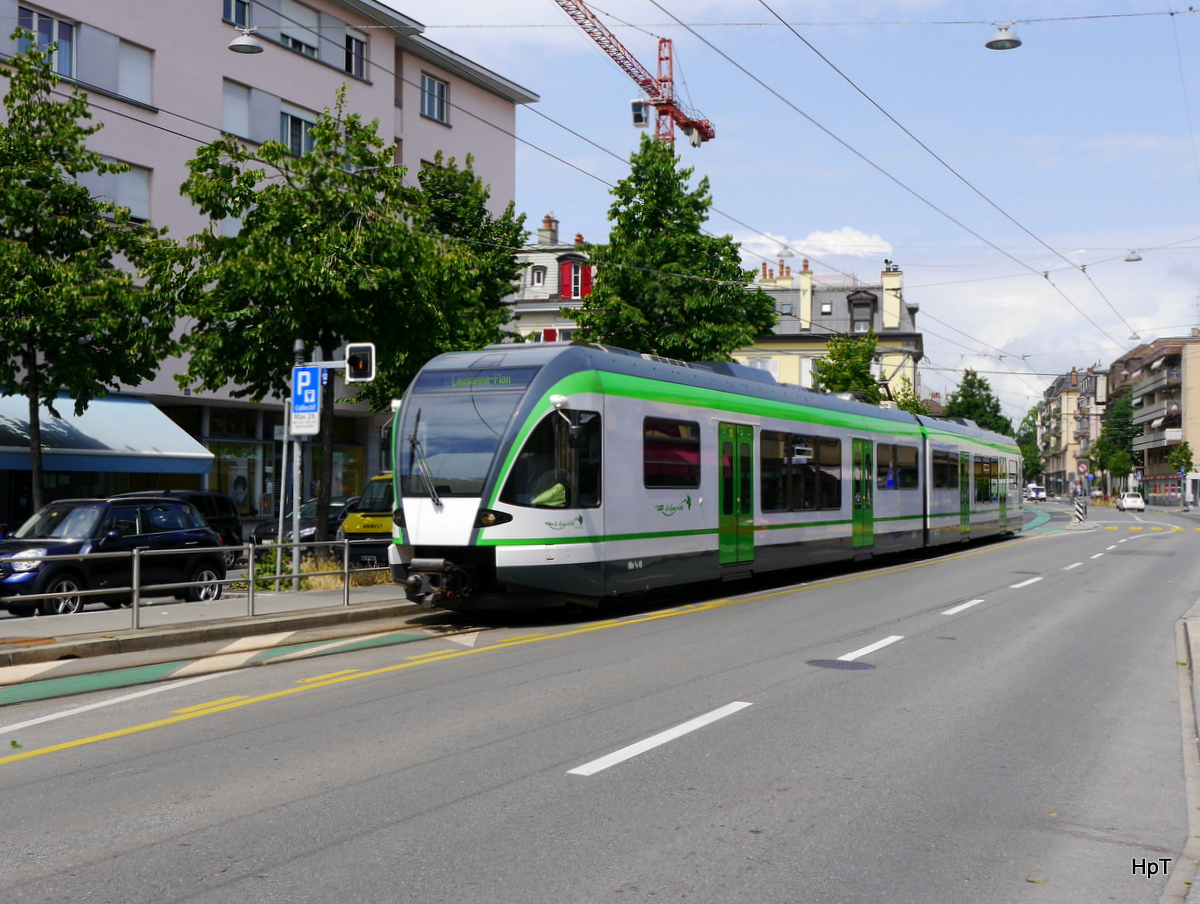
{"x": 661, "y": 284}
{"x": 906, "y": 398}
{"x": 1180, "y": 458}
{"x": 848, "y": 367}
{"x": 453, "y": 203}
{"x": 1027, "y": 442}
{"x": 975, "y": 401}
{"x": 74, "y": 321}
{"x": 1117, "y": 431}
{"x": 329, "y": 250}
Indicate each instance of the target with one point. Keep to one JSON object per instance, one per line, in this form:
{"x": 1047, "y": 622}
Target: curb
{"x": 86, "y": 646}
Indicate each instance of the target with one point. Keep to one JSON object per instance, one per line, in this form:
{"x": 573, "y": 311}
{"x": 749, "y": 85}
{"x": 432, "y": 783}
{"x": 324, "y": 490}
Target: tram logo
{"x": 576, "y": 522}
{"x": 669, "y": 509}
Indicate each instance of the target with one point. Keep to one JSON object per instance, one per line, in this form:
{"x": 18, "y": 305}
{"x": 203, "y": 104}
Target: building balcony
{"x": 1150, "y": 413}
{"x": 1170, "y": 376}
{"x": 1158, "y": 439}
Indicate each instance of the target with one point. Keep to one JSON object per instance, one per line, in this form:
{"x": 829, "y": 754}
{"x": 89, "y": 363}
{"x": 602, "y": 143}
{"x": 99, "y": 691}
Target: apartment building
{"x": 161, "y": 77}
{"x": 1164, "y": 378}
{"x": 810, "y": 310}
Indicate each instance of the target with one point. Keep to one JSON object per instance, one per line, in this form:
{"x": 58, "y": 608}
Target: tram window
{"x": 727, "y": 478}
{"x": 670, "y": 454}
{"x": 945, "y": 470}
{"x": 1013, "y": 483}
{"x": 830, "y": 458}
{"x": 896, "y": 467}
{"x": 908, "y": 475}
{"x": 772, "y": 469}
{"x": 885, "y": 466}
{"x": 799, "y": 473}
{"x": 554, "y": 470}
{"x": 747, "y": 479}
{"x": 986, "y": 471}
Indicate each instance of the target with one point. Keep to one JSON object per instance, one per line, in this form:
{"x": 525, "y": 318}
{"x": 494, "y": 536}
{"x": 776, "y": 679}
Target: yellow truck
{"x": 371, "y": 520}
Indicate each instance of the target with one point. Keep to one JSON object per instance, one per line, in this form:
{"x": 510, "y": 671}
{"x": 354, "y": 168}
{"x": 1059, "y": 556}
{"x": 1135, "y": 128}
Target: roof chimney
{"x": 548, "y": 234}
{"x": 578, "y": 239}
{"x": 805, "y": 266}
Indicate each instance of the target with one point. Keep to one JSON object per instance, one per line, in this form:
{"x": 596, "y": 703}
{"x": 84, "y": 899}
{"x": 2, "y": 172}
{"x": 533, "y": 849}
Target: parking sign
{"x": 306, "y": 401}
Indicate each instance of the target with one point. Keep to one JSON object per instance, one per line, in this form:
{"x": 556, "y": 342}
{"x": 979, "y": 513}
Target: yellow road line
{"x": 211, "y": 703}
{"x": 324, "y": 677}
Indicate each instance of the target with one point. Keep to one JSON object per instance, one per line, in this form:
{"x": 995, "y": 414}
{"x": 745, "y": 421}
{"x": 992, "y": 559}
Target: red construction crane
{"x": 660, "y": 91}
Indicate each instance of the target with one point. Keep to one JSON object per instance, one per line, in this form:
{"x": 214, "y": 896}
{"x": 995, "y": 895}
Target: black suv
{"x": 218, "y": 510}
{"x": 77, "y": 527}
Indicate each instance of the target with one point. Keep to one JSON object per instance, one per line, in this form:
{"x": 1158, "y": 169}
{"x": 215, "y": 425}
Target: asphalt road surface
{"x": 998, "y": 725}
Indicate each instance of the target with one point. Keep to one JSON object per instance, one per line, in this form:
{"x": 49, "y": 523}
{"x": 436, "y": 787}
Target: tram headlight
{"x": 488, "y": 518}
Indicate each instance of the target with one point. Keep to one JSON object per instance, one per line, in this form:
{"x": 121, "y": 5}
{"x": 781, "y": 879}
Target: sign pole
{"x": 297, "y": 473}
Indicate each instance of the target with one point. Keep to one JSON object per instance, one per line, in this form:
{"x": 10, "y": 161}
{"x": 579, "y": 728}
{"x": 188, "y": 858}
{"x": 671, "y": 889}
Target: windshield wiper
{"x": 416, "y": 451}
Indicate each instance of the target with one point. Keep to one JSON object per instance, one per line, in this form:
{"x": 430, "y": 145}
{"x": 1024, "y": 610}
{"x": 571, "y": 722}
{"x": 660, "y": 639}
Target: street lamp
{"x": 1133, "y": 257}
{"x": 246, "y": 42}
{"x": 1003, "y": 39}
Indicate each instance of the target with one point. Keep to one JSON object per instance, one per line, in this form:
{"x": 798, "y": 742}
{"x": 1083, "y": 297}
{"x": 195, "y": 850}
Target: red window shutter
{"x": 549, "y": 335}
{"x": 564, "y": 280}
{"x": 585, "y": 280}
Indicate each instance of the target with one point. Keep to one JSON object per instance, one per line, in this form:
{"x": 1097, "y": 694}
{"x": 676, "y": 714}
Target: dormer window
{"x": 537, "y": 276}
{"x": 575, "y": 279}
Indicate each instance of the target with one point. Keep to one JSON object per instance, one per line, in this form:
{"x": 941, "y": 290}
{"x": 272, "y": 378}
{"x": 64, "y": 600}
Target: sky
{"x": 1007, "y": 186}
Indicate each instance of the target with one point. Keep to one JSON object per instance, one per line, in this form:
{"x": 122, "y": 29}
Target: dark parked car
{"x": 339, "y": 508}
{"x": 83, "y": 527}
{"x": 218, "y": 510}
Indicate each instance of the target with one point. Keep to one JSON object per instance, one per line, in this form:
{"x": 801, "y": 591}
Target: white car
{"x": 1131, "y": 502}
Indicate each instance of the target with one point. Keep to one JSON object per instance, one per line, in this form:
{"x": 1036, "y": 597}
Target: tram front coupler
{"x": 434, "y": 582}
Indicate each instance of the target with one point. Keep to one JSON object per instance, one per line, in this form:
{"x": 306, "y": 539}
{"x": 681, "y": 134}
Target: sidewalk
{"x": 96, "y": 640}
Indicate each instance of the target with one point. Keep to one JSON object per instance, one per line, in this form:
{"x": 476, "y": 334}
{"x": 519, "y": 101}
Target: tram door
{"x": 736, "y": 523}
{"x": 964, "y": 494}
{"x": 862, "y": 529}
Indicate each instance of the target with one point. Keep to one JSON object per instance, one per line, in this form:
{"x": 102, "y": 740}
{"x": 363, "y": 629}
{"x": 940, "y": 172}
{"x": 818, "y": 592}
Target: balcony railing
{"x": 1158, "y": 438}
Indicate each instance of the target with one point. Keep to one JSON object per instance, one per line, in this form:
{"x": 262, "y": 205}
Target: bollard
{"x": 136, "y": 604}
{"x": 1080, "y": 510}
{"x": 249, "y": 548}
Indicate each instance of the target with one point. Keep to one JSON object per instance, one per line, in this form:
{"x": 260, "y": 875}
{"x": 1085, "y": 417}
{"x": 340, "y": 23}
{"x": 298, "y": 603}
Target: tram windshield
{"x": 453, "y": 422}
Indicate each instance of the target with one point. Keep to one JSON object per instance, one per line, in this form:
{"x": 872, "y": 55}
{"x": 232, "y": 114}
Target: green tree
{"x": 1027, "y": 442}
{"x": 325, "y": 254}
{"x": 661, "y": 284}
{"x": 1180, "y": 458}
{"x": 975, "y": 401}
{"x": 452, "y": 203}
{"x": 74, "y": 321}
{"x": 1117, "y": 430}
{"x": 906, "y": 398}
{"x": 847, "y": 367}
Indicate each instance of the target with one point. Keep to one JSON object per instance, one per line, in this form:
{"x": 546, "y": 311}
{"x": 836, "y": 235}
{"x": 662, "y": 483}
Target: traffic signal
{"x": 360, "y": 362}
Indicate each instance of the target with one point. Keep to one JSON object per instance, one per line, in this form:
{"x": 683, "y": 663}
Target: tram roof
{"x": 718, "y": 375}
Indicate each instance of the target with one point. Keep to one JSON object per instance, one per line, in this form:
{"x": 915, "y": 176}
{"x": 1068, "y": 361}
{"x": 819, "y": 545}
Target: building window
{"x": 574, "y": 280}
{"x": 435, "y": 99}
{"x": 237, "y": 12}
{"x": 862, "y": 326}
{"x": 49, "y": 31}
{"x": 235, "y": 110}
{"x": 134, "y": 72}
{"x": 827, "y": 307}
{"x": 785, "y": 310}
{"x": 295, "y": 130}
{"x": 356, "y": 54}
{"x": 129, "y": 189}
{"x": 300, "y": 28}
{"x": 537, "y": 276}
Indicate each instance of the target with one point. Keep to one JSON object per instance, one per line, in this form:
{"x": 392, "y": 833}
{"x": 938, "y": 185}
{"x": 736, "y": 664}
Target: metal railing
{"x": 137, "y": 588}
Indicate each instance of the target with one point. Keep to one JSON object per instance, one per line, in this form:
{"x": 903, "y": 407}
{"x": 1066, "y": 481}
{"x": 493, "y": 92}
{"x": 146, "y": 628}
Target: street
{"x": 1000, "y": 723}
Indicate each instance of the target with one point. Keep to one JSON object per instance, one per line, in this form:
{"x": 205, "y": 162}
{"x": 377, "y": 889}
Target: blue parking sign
{"x": 306, "y": 401}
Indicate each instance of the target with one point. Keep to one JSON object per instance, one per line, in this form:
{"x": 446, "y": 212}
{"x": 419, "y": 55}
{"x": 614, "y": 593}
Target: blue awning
{"x": 118, "y": 433}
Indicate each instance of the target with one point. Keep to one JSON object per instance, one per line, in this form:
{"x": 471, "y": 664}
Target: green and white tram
{"x": 535, "y": 474}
